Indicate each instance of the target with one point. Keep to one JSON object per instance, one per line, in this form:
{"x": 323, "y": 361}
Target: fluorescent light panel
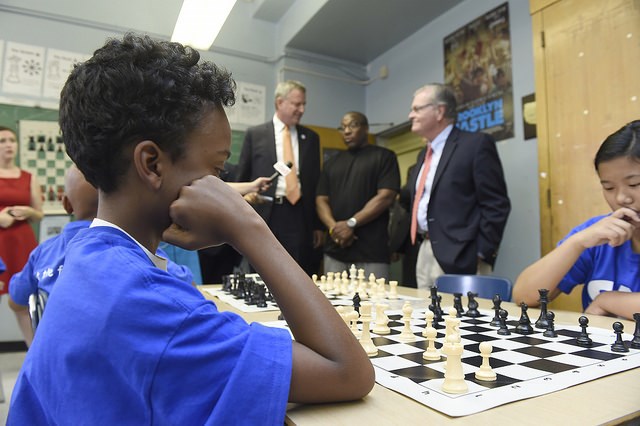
{"x": 200, "y": 22}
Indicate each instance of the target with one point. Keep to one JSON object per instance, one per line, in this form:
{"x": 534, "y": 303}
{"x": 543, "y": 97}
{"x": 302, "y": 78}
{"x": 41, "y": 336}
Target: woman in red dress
{"x": 20, "y": 204}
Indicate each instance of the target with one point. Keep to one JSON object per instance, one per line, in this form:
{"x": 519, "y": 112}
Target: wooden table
{"x": 613, "y": 399}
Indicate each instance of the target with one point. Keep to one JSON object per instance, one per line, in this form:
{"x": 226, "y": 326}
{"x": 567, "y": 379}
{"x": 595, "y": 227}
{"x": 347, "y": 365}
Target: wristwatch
{"x": 352, "y": 222}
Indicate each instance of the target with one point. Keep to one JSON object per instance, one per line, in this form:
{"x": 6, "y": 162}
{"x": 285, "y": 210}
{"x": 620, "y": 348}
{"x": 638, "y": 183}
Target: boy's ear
{"x": 147, "y": 160}
{"x": 67, "y": 204}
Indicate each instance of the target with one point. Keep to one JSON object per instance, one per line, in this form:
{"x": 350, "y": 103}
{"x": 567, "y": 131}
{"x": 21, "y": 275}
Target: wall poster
{"x": 477, "y": 60}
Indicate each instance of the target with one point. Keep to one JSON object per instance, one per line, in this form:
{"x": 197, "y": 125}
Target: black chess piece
{"x": 618, "y": 345}
{"x": 497, "y": 301}
{"x": 550, "y": 320}
{"x": 356, "y": 302}
{"x": 584, "y": 339}
{"x": 472, "y": 305}
{"x": 544, "y": 300}
{"x": 524, "y": 324}
{"x": 439, "y": 308}
{"x": 261, "y": 296}
{"x": 457, "y": 304}
{"x": 635, "y": 342}
{"x": 503, "y": 330}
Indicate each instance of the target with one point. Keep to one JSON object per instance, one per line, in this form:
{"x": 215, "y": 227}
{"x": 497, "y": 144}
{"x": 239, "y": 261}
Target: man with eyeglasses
{"x": 291, "y": 215}
{"x": 356, "y": 189}
{"x": 459, "y": 201}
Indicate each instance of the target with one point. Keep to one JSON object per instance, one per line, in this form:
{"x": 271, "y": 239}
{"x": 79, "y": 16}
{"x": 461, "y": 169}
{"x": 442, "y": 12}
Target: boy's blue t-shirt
{"x": 123, "y": 342}
{"x": 602, "y": 268}
{"x": 46, "y": 263}
{"x": 2, "y": 266}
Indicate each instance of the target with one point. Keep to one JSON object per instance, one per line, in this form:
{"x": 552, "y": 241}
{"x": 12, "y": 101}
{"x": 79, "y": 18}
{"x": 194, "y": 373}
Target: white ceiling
{"x": 357, "y": 31}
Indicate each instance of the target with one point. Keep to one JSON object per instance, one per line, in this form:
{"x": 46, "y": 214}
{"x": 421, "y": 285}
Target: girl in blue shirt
{"x": 604, "y": 252}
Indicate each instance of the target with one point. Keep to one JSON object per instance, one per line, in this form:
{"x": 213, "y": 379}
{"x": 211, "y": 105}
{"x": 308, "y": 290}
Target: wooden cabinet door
{"x": 587, "y": 56}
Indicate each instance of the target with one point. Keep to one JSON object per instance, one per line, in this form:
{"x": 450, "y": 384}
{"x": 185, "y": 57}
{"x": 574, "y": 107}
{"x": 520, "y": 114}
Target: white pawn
{"x": 365, "y": 336}
{"x": 353, "y": 316}
{"x": 329, "y": 286}
{"x": 431, "y": 354}
{"x": 314, "y": 278}
{"x": 382, "y": 320}
{"x": 393, "y": 290}
{"x": 485, "y": 372}
{"x": 342, "y": 311}
{"x": 407, "y": 335}
{"x": 344, "y": 288}
{"x": 428, "y": 317}
{"x": 323, "y": 283}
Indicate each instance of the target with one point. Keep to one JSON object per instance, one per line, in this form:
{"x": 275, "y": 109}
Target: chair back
{"x": 486, "y": 286}
{"x": 37, "y": 302}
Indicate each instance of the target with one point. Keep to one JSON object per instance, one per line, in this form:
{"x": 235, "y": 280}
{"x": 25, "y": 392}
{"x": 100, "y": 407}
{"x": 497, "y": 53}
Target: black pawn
{"x": 584, "y": 339}
{"x": 457, "y": 304}
{"x": 544, "y": 300}
{"x": 524, "y": 324}
{"x": 503, "y": 330}
{"x": 550, "y": 331}
{"x": 635, "y": 342}
{"x": 497, "y": 301}
{"x": 356, "y": 302}
{"x": 618, "y": 345}
{"x": 472, "y": 305}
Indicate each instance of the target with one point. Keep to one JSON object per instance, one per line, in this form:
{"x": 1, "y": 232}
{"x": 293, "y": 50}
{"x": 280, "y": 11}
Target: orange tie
{"x": 292, "y": 191}
{"x": 419, "y": 192}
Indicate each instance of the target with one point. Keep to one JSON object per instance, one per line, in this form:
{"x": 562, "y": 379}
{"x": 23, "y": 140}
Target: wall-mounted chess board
{"x": 43, "y": 154}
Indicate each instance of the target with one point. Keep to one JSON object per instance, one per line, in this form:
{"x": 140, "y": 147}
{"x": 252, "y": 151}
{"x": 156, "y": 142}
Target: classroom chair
{"x": 37, "y": 302}
{"x": 485, "y": 286}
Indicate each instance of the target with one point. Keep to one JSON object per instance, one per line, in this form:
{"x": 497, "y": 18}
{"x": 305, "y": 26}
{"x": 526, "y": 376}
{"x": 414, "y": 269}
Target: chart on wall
{"x": 43, "y": 154}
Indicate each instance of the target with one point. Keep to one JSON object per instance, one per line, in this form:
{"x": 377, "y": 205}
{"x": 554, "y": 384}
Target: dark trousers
{"x": 288, "y": 224}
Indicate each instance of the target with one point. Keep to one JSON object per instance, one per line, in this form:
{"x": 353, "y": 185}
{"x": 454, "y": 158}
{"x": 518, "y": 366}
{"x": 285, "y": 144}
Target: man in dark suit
{"x": 289, "y": 212}
{"x": 459, "y": 201}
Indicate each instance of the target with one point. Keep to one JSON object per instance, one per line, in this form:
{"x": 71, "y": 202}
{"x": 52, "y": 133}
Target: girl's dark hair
{"x": 623, "y": 143}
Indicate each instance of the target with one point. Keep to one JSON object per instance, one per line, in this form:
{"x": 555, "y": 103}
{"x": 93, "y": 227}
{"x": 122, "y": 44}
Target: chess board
{"x": 526, "y": 366}
{"x": 43, "y": 154}
{"x": 335, "y": 299}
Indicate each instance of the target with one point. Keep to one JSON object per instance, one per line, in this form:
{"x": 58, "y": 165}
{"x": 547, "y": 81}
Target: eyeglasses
{"x": 419, "y": 108}
{"x": 351, "y": 126}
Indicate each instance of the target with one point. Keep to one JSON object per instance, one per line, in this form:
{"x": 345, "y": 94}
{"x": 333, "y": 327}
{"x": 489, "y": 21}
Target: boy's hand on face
{"x": 207, "y": 212}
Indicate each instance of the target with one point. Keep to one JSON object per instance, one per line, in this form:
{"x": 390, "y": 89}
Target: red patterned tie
{"x": 419, "y": 192}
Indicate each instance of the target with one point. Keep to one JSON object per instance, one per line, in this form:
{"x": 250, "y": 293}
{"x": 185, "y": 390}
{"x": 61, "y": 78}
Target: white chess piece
{"x": 323, "y": 283}
{"x": 428, "y": 317}
{"x": 353, "y": 316}
{"x": 406, "y": 335}
{"x": 393, "y": 290}
{"x": 365, "y": 336}
{"x": 485, "y": 372}
{"x": 329, "y": 281}
{"x": 431, "y": 354}
{"x": 382, "y": 320}
{"x": 454, "y": 375}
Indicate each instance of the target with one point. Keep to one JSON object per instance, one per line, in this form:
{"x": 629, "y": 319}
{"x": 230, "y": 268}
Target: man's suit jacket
{"x": 258, "y": 156}
{"x": 469, "y": 206}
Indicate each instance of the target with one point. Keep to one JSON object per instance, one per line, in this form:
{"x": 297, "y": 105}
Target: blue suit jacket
{"x": 469, "y": 206}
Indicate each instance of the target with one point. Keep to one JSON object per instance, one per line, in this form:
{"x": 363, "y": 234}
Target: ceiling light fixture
{"x": 200, "y": 21}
